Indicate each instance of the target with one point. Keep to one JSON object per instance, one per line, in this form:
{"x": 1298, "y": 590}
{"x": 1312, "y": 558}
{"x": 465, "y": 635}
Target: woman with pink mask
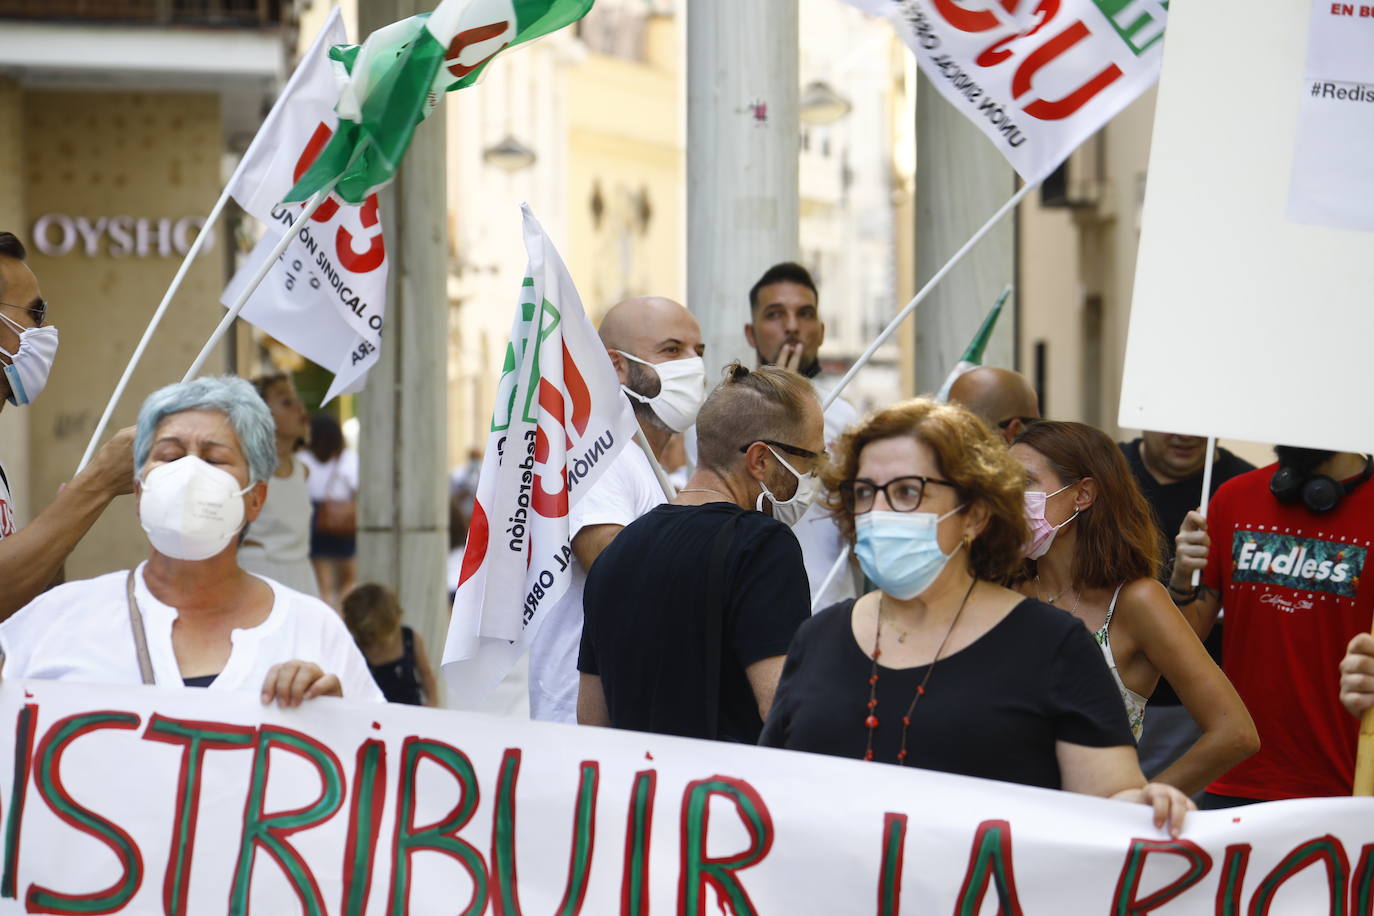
{"x": 1094, "y": 552}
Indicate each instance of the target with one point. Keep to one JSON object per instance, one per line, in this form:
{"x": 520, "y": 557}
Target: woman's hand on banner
{"x": 291, "y": 683}
{"x": 1170, "y": 805}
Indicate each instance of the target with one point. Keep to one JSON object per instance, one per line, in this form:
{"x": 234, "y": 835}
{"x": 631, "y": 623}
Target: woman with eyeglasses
{"x": 1094, "y": 551}
{"x": 943, "y": 667}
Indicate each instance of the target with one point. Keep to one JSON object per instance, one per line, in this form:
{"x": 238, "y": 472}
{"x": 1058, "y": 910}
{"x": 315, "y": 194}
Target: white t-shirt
{"x": 816, "y": 532}
{"x": 7, "y": 525}
{"x": 277, "y": 543}
{"x": 628, "y": 489}
{"x": 81, "y": 632}
{"x": 336, "y": 478}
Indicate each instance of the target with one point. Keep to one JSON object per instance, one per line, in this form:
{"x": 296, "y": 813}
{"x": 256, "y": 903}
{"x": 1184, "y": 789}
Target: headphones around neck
{"x": 1318, "y": 492}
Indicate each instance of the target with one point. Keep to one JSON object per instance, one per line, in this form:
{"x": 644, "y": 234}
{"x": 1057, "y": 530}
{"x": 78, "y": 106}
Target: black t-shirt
{"x": 993, "y": 709}
{"x": 1170, "y": 504}
{"x": 645, "y": 622}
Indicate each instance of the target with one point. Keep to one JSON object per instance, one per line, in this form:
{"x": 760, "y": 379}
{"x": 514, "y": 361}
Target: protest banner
{"x": 558, "y": 422}
{"x": 138, "y": 800}
{"x": 325, "y": 295}
{"x": 1037, "y": 78}
{"x": 1244, "y": 324}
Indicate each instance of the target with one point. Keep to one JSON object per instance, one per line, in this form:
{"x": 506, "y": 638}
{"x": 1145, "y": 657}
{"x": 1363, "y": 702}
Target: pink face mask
{"x": 1042, "y": 532}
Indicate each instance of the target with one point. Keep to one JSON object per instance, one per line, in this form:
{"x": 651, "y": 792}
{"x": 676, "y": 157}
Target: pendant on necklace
{"x": 901, "y": 637}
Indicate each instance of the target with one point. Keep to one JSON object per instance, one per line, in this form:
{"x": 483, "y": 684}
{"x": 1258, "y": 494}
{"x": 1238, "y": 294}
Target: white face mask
{"x": 682, "y": 389}
{"x": 790, "y": 511}
{"x": 27, "y": 370}
{"x": 191, "y": 510}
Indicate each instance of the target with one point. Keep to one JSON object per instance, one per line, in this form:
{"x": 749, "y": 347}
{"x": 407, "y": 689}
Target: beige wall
{"x": 107, "y": 154}
{"x": 625, "y": 138}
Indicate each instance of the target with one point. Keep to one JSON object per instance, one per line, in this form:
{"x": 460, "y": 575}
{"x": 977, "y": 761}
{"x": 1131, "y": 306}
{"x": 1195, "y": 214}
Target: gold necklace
{"x": 727, "y": 496}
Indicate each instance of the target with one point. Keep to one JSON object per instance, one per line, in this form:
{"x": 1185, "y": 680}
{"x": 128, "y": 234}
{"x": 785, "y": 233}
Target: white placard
{"x": 1244, "y": 324}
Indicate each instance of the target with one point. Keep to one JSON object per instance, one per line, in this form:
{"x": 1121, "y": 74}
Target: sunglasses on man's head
{"x": 1025, "y": 421}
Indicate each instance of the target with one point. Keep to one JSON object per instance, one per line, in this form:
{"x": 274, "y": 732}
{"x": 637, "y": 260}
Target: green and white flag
{"x": 398, "y": 75}
{"x": 973, "y": 356}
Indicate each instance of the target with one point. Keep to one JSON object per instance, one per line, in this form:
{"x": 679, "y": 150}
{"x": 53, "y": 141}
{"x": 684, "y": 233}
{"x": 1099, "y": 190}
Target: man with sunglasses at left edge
{"x": 31, "y": 558}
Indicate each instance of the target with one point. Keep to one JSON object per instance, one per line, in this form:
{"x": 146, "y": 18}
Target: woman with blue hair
{"x": 203, "y": 454}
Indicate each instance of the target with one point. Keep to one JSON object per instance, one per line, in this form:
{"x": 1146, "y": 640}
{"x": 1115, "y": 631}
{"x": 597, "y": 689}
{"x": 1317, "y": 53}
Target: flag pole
{"x": 1206, "y": 491}
{"x": 318, "y": 198}
{"x": 925, "y": 290}
{"x": 840, "y": 562}
{"x": 669, "y": 491}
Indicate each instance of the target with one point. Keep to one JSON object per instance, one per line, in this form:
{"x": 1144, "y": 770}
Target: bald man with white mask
{"x": 656, "y": 347}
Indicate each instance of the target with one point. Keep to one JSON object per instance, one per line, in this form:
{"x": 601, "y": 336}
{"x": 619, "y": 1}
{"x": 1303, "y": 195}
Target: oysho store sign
{"x": 57, "y": 235}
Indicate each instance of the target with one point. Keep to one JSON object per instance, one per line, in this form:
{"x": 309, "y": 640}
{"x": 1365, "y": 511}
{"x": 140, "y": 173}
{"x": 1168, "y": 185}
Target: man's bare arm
{"x": 31, "y": 558}
{"x": 588, "y": 543}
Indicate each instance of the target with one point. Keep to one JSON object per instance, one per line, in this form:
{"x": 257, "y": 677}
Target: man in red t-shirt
{"x": 1283, "y": 549}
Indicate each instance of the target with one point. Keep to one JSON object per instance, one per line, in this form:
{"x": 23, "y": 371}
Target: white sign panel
{"x": 1244, "y": 324}
{"x": 139, "y": 800}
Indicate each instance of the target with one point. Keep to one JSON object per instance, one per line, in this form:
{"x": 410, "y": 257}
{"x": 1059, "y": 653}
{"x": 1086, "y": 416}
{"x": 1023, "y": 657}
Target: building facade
{"x": 118, "y": 118}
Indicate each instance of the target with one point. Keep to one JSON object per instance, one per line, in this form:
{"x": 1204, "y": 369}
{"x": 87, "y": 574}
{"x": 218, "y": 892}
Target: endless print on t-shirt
{"x": 1288, "y": 559}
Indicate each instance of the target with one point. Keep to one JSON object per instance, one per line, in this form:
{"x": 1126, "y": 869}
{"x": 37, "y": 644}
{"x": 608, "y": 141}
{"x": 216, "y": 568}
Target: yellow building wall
{"x": 625, "y": 127}
{"x": 107, "y": 154}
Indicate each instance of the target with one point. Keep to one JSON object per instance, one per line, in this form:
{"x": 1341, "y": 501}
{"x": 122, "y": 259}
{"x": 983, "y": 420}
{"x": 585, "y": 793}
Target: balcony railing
{"x": 232, "y": 13}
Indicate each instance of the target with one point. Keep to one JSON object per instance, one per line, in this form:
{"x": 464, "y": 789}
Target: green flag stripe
{"x": 400, "y": 100}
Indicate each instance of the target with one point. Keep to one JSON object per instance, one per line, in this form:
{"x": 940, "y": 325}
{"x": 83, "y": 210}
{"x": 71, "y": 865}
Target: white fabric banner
{"x": 139, "y": 800}
{"x": 559, "y": 420}
{"x": 1037, "y": 78}
{"x": 326, "y": 295}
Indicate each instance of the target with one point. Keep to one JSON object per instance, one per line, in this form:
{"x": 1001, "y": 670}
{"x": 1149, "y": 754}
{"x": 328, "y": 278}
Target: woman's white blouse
{"x": 81, "y": 632}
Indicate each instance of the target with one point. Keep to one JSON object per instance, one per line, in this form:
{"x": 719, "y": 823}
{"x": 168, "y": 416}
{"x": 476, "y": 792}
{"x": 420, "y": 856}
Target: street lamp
{"x": 509, "y": 155}
{"x": 819, "y": 104}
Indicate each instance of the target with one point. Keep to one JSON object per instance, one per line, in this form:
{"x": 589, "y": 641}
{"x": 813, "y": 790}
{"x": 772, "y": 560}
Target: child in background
{"x": 395, "y": 653}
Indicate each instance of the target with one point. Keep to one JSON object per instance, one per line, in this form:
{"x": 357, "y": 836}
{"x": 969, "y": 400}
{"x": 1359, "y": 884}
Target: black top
{"x": 398, "y": 679}
{"x": 993, "y": 709}
{"x": 204, "y": 680}
{"x": 645, "y": 620}
{"x": 1170, "y": 504}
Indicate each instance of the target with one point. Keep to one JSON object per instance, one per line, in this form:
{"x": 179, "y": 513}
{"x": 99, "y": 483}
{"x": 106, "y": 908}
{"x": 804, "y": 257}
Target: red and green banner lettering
{"x": 137, "y": 800}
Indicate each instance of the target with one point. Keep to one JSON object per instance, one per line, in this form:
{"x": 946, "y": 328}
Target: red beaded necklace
{"x": 871, "y": 723}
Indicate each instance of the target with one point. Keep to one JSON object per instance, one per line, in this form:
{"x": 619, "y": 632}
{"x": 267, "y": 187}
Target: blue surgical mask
{"x": 900, "y": 551}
